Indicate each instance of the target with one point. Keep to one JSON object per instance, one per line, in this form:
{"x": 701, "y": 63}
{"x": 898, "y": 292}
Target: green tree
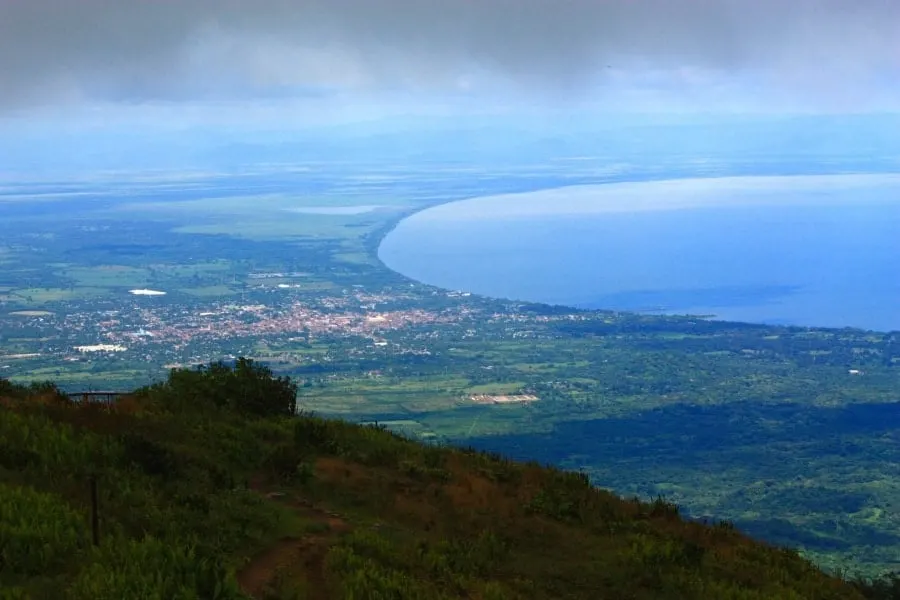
{"x": 246, "y": 387}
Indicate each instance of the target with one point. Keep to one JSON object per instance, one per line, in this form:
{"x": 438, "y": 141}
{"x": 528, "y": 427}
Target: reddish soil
{"x": 305, "y": 554}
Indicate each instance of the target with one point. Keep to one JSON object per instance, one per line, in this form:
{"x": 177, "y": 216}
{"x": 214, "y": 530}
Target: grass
{"x": 107, "y": 276}
{"x": 80, "y": 376}
{"x": 193, "y": 268}
{"x": 354, "y": 258}
{"x": 255, "y": 204}
{"x": 264, "y": 217}
{"x": 285, "y": 227}
{"x": 385, "y": 401}
{"x": 220, "y": 504}
{"x": 496, "y": 388}
{"x": 210, "y": 291}
{"x": 48, "y": 295}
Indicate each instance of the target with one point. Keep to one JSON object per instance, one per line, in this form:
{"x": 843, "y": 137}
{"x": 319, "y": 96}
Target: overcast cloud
{"x": 844, "y": 53}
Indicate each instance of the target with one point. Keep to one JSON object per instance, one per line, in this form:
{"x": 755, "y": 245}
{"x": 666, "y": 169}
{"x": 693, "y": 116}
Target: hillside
{"x": 208, "y": 487}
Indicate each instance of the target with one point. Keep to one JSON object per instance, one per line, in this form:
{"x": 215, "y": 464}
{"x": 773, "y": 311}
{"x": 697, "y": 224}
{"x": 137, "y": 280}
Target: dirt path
{"x": 306, "y": 553}
{"x": 260, "y": 571}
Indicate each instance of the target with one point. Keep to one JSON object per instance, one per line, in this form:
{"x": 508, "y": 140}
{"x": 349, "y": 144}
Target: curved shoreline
{"x": 826, "y": 183}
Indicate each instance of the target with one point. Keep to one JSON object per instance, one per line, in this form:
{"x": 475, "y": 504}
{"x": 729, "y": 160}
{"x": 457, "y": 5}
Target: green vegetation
{"x": 246, "y": 388}
{"x": 762, "y": 425}
{"x": 209, "y": 488}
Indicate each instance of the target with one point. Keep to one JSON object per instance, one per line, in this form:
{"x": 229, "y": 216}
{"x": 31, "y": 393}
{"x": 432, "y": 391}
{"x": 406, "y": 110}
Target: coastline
{"x": 771, "y": 186}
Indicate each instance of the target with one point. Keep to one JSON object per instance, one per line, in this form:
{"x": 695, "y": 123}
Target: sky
{"x": 87, "y": 63}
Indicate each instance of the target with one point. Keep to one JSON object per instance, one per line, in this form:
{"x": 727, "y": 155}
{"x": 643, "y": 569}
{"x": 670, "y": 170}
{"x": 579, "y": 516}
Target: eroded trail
{"x": 302, "y": 556}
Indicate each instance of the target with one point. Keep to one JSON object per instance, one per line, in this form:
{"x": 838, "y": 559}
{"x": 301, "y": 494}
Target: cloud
{"x": 53, "y": 51}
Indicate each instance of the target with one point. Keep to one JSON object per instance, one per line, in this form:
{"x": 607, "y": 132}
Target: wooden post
{"x": 95, "y": 514}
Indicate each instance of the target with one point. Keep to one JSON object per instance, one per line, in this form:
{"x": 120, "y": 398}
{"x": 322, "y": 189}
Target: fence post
{"x": 95, "y": 514}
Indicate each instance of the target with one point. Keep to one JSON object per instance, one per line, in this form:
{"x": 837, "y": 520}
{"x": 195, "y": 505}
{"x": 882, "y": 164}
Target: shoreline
{"x": 663, "y": 195}
{"x": 376, "y": 238}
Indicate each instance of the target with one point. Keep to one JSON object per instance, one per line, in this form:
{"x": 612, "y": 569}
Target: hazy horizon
{"x": 123, "y": 67}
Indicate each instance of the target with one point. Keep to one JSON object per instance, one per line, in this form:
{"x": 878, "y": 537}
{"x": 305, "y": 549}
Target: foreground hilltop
{"x": 208, "y": 487}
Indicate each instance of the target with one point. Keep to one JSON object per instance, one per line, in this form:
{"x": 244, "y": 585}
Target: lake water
{"x": 809, "y": 250}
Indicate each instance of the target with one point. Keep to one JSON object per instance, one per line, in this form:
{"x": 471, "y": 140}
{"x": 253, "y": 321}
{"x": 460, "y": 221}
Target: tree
{"x": 245, "y": 387}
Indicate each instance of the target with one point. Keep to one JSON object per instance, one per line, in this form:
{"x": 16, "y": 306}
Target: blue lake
{"x": 807, "y": 250}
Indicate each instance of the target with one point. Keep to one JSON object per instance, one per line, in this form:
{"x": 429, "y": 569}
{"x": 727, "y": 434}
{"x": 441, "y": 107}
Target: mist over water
{"x": 813, "y": 251}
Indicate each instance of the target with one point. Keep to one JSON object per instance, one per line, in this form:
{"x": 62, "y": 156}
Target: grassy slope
{"x": 219, "y": 505}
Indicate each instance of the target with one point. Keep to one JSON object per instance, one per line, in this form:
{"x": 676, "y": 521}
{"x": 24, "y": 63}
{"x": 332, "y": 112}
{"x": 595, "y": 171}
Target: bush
{"x": 246, "y": 387}
{"x": 151, "y": 457}
{"x": 286, "y": 463}
{"x": 8, "y": 389}
{"x": 661, "y": 508}
{"x": 887, "y": 587}
{"x": 150, "y": 569}
{"x": 364, "y": 567}
{"x": 36, "y": 442}
{"x": 44, "y": 391}
{"x": 39, "y": 532}
{"x": 14, "y": 593}
{"x": 314, "y": 434}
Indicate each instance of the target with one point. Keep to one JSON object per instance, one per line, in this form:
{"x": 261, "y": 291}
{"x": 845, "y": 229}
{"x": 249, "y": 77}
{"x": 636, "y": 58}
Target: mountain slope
{"x": 208, "y": 488}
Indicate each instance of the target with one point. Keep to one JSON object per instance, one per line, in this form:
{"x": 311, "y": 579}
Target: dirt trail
{"x": 306, "y": 553}
{"x": 260, "y": 571}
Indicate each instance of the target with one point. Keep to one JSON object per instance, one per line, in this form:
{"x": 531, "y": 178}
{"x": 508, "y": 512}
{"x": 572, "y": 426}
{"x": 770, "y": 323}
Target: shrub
{"x": 662, "y": 508}
{"x": 359, "y": 576}
{"x": 315, "y": 434}
{"x": 8, "y": 389}
{"x": 34, "y": 441}
{"x": 150, "y": 569}
{"x": 14, "y": 593}
{"x": 246, "y": 387}
{"x": 43, "y": 390}
{"x": 39, "y": 532}
{"x": 151, "y": 457}
{"x": 49, "y": 391}
{"x": 287, "y": 463}
{"x": 887, "y": 587}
